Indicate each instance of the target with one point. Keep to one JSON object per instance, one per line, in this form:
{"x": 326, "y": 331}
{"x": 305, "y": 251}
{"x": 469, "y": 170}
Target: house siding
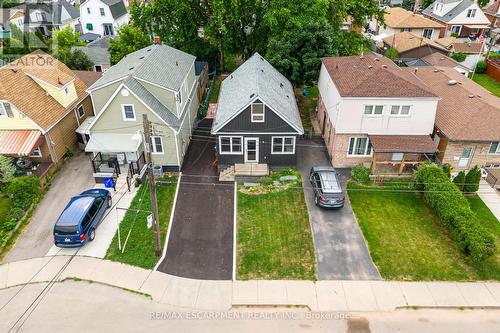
{"x": 18, "y": 121}
{"x": 101, "y": 96}
{"x": 166, "y": 97}
{"x": 242, "y": 123}
{"x": 421, "y": 52}
{"x": 480, "y": 155}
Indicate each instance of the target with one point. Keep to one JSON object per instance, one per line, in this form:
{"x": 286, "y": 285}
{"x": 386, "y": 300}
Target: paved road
{"x": 341, "y": 251}
{"x": 91, "y": 304}
{"x": 201, "y": 239}
{"x": 36, "y": 239}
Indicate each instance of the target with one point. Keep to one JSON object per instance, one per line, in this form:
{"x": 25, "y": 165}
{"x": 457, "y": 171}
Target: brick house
{"x": 42, "y": 102}
{"x": 467, "y": 130}
{"x": 492, "y": 12}
{"x": 374, "y": 113}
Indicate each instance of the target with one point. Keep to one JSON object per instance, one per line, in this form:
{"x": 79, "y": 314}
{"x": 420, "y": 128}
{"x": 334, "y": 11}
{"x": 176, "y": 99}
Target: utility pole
{"x": 415, "y": 6}
{"x": 152, "y": 185}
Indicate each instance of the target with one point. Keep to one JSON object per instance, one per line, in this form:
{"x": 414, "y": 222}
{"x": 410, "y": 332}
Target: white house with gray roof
{"x": 103, "y": 17}
{"x": 158, "y": 81}
{"x": 97, "y": 52}
{"x": 257, "y": 119}
{"x": 463, "y": 17}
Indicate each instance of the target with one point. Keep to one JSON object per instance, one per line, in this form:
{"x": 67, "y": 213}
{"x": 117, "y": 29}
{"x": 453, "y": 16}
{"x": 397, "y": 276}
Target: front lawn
{"x": 140, "y": 248}
{"x": 407, "y": 241}
{"x": 488, "y": 83}
{"x": 273, "y": 233}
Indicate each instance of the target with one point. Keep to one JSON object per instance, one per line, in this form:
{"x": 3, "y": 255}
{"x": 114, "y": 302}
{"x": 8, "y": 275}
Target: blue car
{"x": 77, "y": 223}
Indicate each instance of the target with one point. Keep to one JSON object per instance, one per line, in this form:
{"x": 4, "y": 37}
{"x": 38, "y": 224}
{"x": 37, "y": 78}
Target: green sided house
{"x": 158, "y": 81}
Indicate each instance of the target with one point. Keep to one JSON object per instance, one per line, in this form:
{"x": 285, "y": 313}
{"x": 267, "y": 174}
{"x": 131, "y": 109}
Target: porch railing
{"x": 135, "y": 168}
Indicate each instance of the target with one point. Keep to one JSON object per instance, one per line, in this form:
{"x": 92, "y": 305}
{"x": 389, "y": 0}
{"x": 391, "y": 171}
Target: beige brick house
{"x": 42, "y": 102}
{"x": 467, "y": 130}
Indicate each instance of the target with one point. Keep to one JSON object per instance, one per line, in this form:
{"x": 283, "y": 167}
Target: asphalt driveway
{"x": 36, "y": 239}
{"x": 200, "y": 244}
{"x": 341, "y": 251}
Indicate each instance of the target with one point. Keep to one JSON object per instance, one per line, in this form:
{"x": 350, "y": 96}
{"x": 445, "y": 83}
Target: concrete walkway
{"x": 223, "y": 295}
{"x": 490, "y": 197}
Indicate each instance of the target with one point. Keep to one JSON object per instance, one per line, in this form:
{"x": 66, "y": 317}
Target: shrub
{"x": 481, "y": 67}
{"x": 7, "y": 169}
{"x": 392, "y": 53}
{"x": 454, "y": 34}
{"x": 447, "y": 169}
{"x": 266, "y": 180}
{"x": 361, "y": 174}
{"x": 472, "y": 180}
{"x": 459, "y": 180}
{"x": 24, "y": 191}
{"x": 454, "y": 211}
{"x": 459, "y": 56}
{"x": 69, "y": 152}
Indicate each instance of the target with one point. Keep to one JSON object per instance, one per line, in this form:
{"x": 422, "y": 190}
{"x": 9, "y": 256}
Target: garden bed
{"x": 274, "y": 238}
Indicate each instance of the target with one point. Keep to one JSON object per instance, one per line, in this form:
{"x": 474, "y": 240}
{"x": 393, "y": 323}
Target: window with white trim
{"x": 257, "y": 113}
{"x": 128, "y": 112}
{"x": 88, "y": 10}
{"x": 494, "y": 148}
{"x": 36, "y": 153}
{"x": 427, "y": 33}
{"x": 471, "y": 13}
{"x": 81, "y": 111}
{"x": 231, "y": 145}
{"x": 374, "y": 110}
{"x": 359, "y": 146}
{"x": 283, "y": 145}
{"x": 400, "y": 110}
{"x": 157, "y": 143}
{"x": 3, "y": 111}
{"x": 101, "y": 10}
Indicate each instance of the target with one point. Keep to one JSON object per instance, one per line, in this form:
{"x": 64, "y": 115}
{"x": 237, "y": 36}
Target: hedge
{"x": 24, "y": 191}
{"x": 455, "y": 213}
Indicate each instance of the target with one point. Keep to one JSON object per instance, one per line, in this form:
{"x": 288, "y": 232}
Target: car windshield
{"x": 66, "y": 229}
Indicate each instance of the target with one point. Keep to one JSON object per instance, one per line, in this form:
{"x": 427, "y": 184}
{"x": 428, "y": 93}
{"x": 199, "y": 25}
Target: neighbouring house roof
{"x": 402, "y": 143}
{"x": 440, "y": 60}
{"x": 89, "y": 36}
{"x": 493, "y": 9}
{"x": 406, "y": 41}
{"x": 450, "y": 15}
{"x": 256, "y": 79}
{"x": 468, "y": 47}
{"x": 397, "y": 17}
{"x": 88, "y": 77}
{"x": 159, "y": 64}
{"x": 416, "y": 63}
{"x": 19, "y": 142}
{"x": 102, "y": 42}
{"x": 446, "y": 41}
{"x": 52, "y": 12}
{"x": 117, "y": 7}
{"x": 373, "y": 75}
{"x": 28, "y": 96}
{"x": 98, "y": 55}
{"x": 466, "y": 111}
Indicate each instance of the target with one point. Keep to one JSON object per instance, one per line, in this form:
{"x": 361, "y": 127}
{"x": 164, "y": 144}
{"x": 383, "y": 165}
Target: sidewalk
{"x": 223, "y": 295}
{"x": 490, "y": 197}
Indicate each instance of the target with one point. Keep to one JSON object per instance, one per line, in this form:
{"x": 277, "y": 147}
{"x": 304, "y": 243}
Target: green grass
{"x": 215, "y": 92}
{"x": 488, "y": 83}
{"x": 407, "y": 241}
{"x": 4, "y": 208}
{"x": 140, "y": 248}
{"x": 274, "y": 237}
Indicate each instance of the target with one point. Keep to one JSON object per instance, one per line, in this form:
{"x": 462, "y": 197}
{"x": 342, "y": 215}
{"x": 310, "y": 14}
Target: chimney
{"x": 157, "y": 40}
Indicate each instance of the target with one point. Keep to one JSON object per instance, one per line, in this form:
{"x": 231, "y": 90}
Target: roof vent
{"x": 176, "y": 63}
{"x": 252, "y": 95}
{"x": 287, "y": 96}
{"x": 442, "y": 58}
{"x": 14, "y": 69}
{"x": 377, "y": 59}
{"x": 231, "y": 76}
{"x": 261, "y": 58}
{"x": 131, "y": 68}
{"x": 436, "y": 71}
{"x": 370, "y": 66}
{"x": 262, "y": 70}
{"x": 281, "y": 84}
{"x": 148, "y": 50}
{"x": 384, "y": 66}
{"x": 416, "y": 70}
{"x": 471, "y": 96}
{"x": 59, "y": 80}
{"x": 452, "y": 82}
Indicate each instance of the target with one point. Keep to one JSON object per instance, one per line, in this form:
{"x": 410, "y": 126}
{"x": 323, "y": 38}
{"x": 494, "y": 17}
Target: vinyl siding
{"x": 166, "y": 97}
{"x": 272, "y": 123}
{"x": 101, "y": 96}
{"x": 58, "y": 94}
{"x": 19, "y": 121}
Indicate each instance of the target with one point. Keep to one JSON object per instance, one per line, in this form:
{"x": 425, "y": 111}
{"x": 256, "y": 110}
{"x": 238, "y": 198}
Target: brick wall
{"x": 479, "y": 157}
{"x": 339, "y": 144}
{"x": 493, "y": 69}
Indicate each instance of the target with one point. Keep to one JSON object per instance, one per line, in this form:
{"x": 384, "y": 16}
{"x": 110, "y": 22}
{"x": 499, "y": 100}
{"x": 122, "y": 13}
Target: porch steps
{"x": 251, "y": 169}
{"x": 227, "y": 175}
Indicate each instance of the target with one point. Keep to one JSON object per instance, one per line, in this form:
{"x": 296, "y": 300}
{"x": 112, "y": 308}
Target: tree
{"x": 65, "y": 38}
{"x": 472, "y": 180}
{"x": 130, "y": 39}
{"x": 392, "y": 53}
{"x": 7, "y": 169}
{"x": 409, "y": 4}
{"x": 77, "y": 60}
{"x": 459, "y": 180}
{"x": 482, "y": 3}
{"x": 297, "y": 53}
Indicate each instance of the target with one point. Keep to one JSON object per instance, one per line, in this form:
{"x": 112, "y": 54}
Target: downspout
{"x": 51, "y": 149}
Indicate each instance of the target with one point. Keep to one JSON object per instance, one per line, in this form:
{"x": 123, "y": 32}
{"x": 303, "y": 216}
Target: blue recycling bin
{"x": 109, "y": 183}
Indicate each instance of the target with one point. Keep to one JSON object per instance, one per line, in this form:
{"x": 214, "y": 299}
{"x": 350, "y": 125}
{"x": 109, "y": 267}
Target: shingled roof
{"x": 373, "y": 75}
{"x": 397, "y": 17}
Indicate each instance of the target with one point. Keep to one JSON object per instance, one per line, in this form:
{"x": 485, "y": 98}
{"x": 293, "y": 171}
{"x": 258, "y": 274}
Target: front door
{"x": 463, "y": 162}
{"x": 251, "y": 150}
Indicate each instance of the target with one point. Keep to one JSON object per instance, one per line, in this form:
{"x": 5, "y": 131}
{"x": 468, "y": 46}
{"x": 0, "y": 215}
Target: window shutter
{"x": 8, "y": 110}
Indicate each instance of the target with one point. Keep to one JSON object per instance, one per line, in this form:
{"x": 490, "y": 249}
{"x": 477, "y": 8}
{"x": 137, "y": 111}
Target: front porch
{"x": 244, "y": 170}
{"x": 398, "y": 156}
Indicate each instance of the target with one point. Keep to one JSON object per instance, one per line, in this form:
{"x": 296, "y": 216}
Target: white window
{"x": 101, "y": 10}
{"x": 257, "y": 113}
{"x": 88, "y": 10}
{"x": 376, "y": 110}
{"x": 405, "y": 29}
{"x": 400, "y": 110}
{"x": 36, "y": 153}
{"x": 427, "y": 33}
{"x": 231, "y": 145}
{"x": 456, "y": 29}
{"x": 157, "y": 144}
{"x": 3, "y": 111}
{"x": 359, "y": 147}
{"x": 471, "y": 13}
{"x": 98, "y": 68}
{"x": 128, "y": 112}
{"x": 494, "y": 148}
{"x": 81, "y": 111}
{"x": 283, "y": 145}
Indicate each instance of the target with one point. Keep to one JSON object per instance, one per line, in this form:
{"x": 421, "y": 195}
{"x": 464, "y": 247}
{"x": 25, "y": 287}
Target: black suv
{"x": 326, "y": 185}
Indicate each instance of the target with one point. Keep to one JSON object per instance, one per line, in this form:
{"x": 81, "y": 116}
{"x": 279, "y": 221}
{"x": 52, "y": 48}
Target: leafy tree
{"x": 7, "y": 169}
{"x": 65, "y": 38}
{"x": 482, "y": 3}
{"x": 481, "y": 67}
{"x": 392, "y": 53}
{"x": 472, "y": 180}
{"x": 78, "y": 60}
{"x": 409, "y": 4}
{"x": 459, "y": 56}
{"x": 130, "y": 39}
{"x": 459, "y": 180}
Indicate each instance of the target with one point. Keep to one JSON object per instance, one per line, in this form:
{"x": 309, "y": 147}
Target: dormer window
{"x": 471, "y": 13}
{"x": 257, "y": 112}
{"x": 101, "y": 10}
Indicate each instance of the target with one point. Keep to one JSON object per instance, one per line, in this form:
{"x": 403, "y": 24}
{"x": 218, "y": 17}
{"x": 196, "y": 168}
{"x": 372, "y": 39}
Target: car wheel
{"x": 92, "y": 234}
{"x": 110, "y": 202}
